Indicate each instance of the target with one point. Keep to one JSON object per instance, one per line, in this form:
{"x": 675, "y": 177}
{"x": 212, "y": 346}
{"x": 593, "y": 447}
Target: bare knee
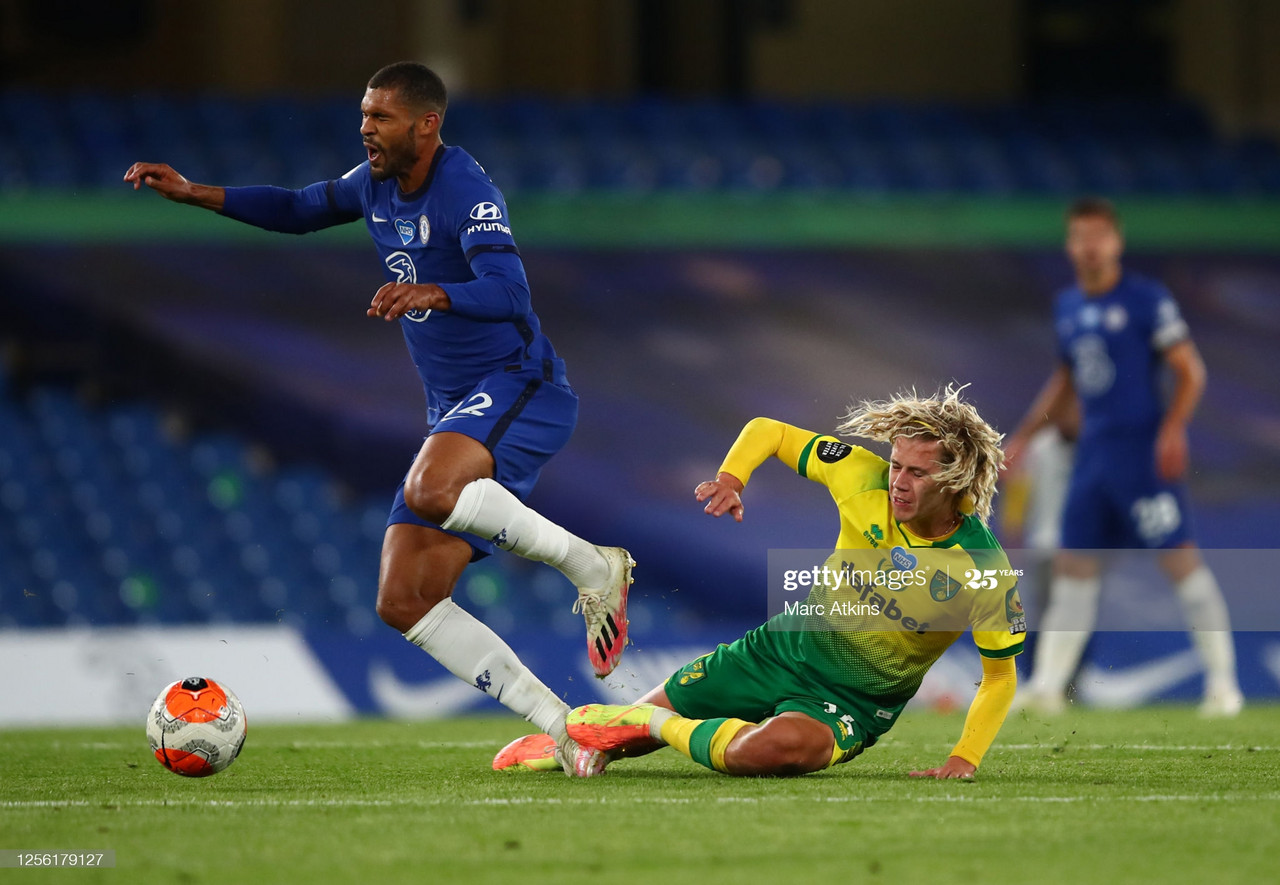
{"x": 1070, "y": 564}
{"x": 1180, "y": 562}
{"x": 784, "y": 746}
{"x": 444, "y": 466}
{"x": 431, "y": 498}
{"x": 401, "y": 606}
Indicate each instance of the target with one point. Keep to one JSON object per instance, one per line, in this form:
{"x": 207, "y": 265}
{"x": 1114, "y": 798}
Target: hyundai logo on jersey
{"x": 486, "y": 211}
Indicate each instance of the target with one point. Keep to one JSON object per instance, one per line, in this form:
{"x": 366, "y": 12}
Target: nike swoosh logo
{"x": 440, "y": 697}
{"x": 1271, "y": 659}
{"x": 1136, "y": 685}
{"x": 376, "y": 218}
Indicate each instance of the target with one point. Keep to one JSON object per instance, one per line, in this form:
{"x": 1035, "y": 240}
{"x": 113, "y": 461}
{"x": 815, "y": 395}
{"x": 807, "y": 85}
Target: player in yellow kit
{"x": 915, "y": 565}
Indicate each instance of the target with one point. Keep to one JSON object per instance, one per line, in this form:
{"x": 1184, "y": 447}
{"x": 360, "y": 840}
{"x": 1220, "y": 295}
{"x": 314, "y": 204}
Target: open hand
{"x": 722, "y": 494}
{"x": 953, "y": 768}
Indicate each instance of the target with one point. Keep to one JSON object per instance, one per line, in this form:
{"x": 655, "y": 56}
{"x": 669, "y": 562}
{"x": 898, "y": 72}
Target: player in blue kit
{"x": 498, "y": 402}
{"x": 1117, "y": 334}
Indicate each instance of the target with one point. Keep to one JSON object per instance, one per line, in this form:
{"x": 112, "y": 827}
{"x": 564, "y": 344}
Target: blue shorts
{"x": 523, "y": 418}
{"x": 1115, "y": 500}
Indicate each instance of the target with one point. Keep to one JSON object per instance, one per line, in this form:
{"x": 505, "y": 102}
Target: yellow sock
{"x": 727, "y": 731}
{"x": 702, "y": 740}
{"x": 677, "y": 730}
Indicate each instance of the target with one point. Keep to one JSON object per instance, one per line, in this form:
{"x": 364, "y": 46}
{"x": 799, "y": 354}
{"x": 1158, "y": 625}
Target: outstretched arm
{"x": 986, "y": 715}
{"x": 759, "y": 440}
{"x": 166, "y": 181}
{"x": 311, "y": 208}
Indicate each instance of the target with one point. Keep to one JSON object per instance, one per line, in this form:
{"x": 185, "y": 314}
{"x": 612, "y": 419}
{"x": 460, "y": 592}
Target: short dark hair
{"x": 1094, "y": 207}
{"x": 420, "y": 87}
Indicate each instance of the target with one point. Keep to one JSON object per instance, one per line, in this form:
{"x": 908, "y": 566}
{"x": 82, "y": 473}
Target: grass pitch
{"x": 1141, "y": 796}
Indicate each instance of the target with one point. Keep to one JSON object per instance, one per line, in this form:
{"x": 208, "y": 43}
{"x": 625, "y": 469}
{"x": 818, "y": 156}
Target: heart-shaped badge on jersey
{"x": 903, "y": 560}
{"x": 407, "y": 230}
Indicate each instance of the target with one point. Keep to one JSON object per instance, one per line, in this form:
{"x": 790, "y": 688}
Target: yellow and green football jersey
{"x": 891, "y": 602}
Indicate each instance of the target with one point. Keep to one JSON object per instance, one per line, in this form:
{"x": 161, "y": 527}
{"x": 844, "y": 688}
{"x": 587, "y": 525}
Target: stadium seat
{"x": 106, "y": 520}
{"x": 650, "y": 143}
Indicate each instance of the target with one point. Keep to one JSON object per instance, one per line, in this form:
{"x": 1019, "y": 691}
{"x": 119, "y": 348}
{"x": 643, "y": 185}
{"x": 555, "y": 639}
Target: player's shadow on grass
{"x": 674, "y": 772}
{"x": 692, "y": 773}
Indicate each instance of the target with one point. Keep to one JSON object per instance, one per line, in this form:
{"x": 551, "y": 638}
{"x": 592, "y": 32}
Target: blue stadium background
{"x": 199, "y": 426}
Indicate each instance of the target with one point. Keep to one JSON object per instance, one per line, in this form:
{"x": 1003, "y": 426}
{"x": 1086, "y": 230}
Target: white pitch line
{"x": 383, "y": 744}
{"x": 473, "y": 745}
{"x": 233, "y": 804}
{"x": 1176, "y": 748}
{"x": 312, "y": 745}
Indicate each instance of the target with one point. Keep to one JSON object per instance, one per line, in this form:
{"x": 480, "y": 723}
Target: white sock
{"x": 475, "y": 654}
{"x": 659, "y": 716}
{"x": 1064, "y": 631}
{"x": 487, "y": 509}
{"x": 1210, "y": 623}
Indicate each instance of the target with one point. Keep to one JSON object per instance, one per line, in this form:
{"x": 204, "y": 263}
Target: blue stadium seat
{"x": 1162, "y": 169}
{"x": 981, "y": 166}
{"x": 1259, "y": 158}
{"x": 650, "y": 143}
{"x": 810, "y": 167}
{"x": 866, "y": 167}
{"x": 614, "y": 165}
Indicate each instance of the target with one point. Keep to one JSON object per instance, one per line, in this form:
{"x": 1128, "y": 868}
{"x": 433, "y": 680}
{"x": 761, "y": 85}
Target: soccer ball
{"x": 196, "y": 727}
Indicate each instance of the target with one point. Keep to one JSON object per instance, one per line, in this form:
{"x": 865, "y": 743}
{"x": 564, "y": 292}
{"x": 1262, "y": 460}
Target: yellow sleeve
{"x": 995, "y": 610}
{"x": 990, "y": 706}
{"x": 761, "y": 439}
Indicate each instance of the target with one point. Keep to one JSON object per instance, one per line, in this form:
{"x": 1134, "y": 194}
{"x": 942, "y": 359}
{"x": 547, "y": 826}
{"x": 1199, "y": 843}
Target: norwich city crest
{"x": 693, "y": 671}
{"x": 943, "y": 586}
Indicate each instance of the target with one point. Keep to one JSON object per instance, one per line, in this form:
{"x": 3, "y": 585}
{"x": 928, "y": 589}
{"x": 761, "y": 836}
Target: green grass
{"x": 1150, "y": 795}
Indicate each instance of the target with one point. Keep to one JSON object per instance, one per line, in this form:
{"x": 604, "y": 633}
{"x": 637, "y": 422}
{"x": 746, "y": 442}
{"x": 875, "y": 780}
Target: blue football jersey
{"x": 453, "y": 231}
{"x": 1113, "y": 344}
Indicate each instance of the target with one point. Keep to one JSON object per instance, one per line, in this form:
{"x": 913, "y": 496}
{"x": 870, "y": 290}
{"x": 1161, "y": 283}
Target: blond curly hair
{"x": 971, "y": 447}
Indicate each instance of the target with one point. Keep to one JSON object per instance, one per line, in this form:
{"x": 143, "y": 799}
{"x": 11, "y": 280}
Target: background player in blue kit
{"x": 1117, "y": 333}
{"x": 498, "y": 402}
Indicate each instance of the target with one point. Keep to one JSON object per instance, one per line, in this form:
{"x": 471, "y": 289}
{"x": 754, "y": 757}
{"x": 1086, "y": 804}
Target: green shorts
{"x": 756, "y": 677}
